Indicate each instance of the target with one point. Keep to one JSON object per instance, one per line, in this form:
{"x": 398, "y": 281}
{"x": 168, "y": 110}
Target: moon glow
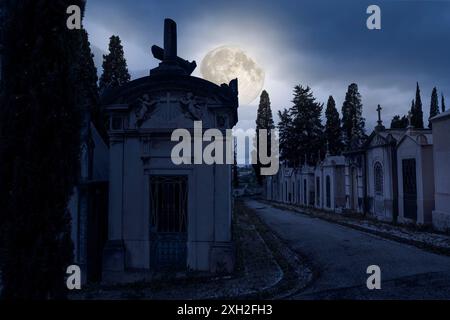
{"x": 226, "y": 63}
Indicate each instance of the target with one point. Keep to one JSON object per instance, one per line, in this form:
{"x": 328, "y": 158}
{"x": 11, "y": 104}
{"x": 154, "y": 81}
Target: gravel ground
{"x": 266, "y": 268}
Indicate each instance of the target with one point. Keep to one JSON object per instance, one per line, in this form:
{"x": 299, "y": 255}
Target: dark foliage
{"x": 416, "y": 111}
{"x": 333, "y": 133}
{"x": 264, "y": 120}
{"x": 40, "y": 119}
{"x": 301, "y": 129}
{"x": 353, "y": 123}
{"x": 399, "y": 122}
{"x": 442, "y": 103}
{"x": 434, "y": 106}
{"x": 115, "y": 70}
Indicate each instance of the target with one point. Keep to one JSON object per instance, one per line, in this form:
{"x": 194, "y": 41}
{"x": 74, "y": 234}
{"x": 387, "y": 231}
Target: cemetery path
{"x": 340, "y": 256}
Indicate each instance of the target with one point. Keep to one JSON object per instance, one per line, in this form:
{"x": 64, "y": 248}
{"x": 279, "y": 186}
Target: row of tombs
{"x": 399, "y": 175}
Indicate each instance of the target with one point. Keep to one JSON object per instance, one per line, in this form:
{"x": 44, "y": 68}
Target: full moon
{"x": 226, "y": 63}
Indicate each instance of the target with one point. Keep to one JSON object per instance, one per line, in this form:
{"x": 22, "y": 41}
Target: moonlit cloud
{"x": 227, "y": 63}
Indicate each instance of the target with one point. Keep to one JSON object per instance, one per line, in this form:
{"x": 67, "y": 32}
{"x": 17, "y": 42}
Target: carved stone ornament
{"x": 145, "y": 106}
{"x": 192, "y": 106}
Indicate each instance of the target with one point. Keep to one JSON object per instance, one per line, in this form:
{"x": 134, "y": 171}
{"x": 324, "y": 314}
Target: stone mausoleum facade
{"x": 165, "y": 217}
{"x": 398, "y": 175}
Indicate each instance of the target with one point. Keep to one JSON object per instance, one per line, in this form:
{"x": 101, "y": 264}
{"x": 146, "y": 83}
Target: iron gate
{"x": 409, "y": 189}
{"x": 168, "y": 236}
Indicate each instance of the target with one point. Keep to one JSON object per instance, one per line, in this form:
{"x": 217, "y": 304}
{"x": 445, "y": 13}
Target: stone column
{"x": 114, "y": 252}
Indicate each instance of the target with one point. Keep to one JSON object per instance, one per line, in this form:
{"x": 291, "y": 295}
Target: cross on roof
{"x": 379, "y": 126}
{"x": 170, "y": 62}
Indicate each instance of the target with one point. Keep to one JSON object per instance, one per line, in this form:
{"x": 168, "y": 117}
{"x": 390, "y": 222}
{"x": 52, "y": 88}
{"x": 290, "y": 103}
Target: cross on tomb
{"x": 170, "y": 111}
{"x": 171, "y": 63}
{"x": 168, "y": 99}
{"x": 379, "y": 126}
{"x": 170, "y": 40}
{"x": 379, "y": 114}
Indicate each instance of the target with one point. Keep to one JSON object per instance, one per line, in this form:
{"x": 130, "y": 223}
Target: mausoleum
{"x": 415, "y": 177}
{"x": 166, "y": 217}
{"x": 441, "y": 158}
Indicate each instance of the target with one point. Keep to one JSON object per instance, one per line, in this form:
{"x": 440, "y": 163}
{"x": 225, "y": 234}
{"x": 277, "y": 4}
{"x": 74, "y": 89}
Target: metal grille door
{"x": 409, "y": 189}
{"x": 168, "y": 236}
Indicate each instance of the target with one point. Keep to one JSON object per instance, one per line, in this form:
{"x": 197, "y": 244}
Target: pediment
{"x": 377, "y": 140}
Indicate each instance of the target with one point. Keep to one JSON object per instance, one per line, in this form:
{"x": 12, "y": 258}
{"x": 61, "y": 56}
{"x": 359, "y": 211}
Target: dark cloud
{"x": 324, "y": 44}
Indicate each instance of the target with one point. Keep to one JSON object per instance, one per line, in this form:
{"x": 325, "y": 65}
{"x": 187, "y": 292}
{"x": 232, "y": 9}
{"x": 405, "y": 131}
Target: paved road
{"x": 341, "y": 255}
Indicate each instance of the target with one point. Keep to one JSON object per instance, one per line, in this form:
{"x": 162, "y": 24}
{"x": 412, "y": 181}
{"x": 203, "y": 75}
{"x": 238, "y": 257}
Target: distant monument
{"x": 164, "y": 217}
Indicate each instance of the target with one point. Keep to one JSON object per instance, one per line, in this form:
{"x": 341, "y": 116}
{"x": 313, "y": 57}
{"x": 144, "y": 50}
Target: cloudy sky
{"x": 323, "y": 44}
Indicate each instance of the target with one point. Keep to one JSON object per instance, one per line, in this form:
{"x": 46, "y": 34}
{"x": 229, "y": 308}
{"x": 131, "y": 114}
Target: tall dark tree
{"x": 442, "y": 103}
{"x": 333, "y": 133}
{"x": 115, "y": 70}
{"x": 285, "y": 128}
{"x": 264, "y": 120}
{"x": 4, "y": 14}
{"x": 399, "y": 122}
{"x": 307, "y": 129}
{"x": 40, "y": 121}
{"x": 353, "y": 123}
{"x": 4, "y": 9}
{"x": 413, "y": 103}
{"x": 434, "y": 106}
{"x": 416, "y": 111}
{"x": 90, "y": 93}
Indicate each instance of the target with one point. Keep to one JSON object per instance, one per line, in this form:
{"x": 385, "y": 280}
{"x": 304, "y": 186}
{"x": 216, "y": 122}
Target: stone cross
{"x": 171, "y": 63}
{"x": 168, "y": 99}
{"x": 170, "y": 111}
{"x": 170, "y": 40}
{"x": 379, "y": 114}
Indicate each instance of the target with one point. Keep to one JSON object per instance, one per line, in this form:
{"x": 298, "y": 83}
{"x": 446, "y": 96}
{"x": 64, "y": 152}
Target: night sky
{"x": 323, "y": 44}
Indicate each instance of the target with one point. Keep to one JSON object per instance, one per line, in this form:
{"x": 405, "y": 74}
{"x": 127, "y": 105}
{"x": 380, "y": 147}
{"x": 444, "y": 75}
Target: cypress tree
{"x": 285, "y": 128}
{"x": 4, "y": 6}
{"x": 333, "y": 133}
{"x": 89, "y": 79}
{"x": 307, "y": 129}
{"x": 442, "y": 102}
{"x": 434, "y": 106}
{"x": 416, "y": 111}
{"x": 353, "y": 124}
{"x": 264, "y": 120}
{"x": 40, "y": 121}
{"x": 115, "y": 70}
